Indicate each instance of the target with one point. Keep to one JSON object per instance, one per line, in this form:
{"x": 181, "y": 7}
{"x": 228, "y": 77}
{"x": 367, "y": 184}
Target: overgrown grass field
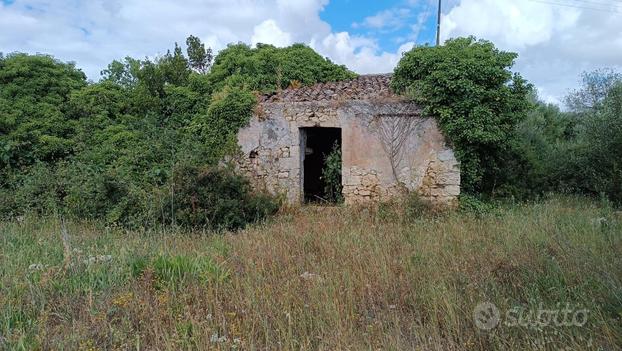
{"x": 321, "y": 279}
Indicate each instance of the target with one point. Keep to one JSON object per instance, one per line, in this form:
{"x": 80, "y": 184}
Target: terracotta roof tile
{"x": 364, "y": 87}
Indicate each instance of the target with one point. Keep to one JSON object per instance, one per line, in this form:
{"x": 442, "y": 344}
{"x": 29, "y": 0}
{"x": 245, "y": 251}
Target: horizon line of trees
{"x": 143, "y": 145}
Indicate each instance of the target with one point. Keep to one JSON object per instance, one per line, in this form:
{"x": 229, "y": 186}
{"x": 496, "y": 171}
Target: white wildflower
{"x": 36, "y": 267}
{"x": 97, "y": 259}
{"x": 310, "y": 276}
{"x": 217, "y": 339}
{"x": 598, "y": 222}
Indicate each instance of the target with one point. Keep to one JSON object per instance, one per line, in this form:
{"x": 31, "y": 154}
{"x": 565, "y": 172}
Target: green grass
{"x": 317, "y": 278}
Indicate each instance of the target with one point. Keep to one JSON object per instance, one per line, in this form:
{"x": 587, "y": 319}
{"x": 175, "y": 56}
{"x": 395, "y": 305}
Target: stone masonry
{"x": 387, "y": 146}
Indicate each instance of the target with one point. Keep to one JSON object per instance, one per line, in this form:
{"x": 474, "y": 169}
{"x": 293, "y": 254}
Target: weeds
{"x": 319, "y": 278}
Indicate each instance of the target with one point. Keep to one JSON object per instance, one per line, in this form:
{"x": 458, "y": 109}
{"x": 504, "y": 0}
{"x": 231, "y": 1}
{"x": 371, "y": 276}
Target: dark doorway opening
{"x": 316, "y": 144}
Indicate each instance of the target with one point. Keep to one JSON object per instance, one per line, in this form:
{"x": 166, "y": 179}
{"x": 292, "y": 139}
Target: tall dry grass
{"x": 317, "y": 278}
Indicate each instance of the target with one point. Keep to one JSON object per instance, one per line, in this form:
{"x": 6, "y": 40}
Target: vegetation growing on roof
{"x": 267, "y": 68}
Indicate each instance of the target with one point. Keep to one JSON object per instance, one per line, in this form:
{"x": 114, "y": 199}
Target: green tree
{"x": 468, "y": 87}
{"x": 267, "y": 68}
{"x": 596, "y": 86}
{"x": 575, "y": 151}
{"x": 600, "y": 148}
{"x": 34, "y": 90}
{"x": 175, "y": 67}
{"x": 111, "y": 150}
{"x": 123, "y": 73}
{"x": 200, "y": 58}
{"x": 542, "y": 138}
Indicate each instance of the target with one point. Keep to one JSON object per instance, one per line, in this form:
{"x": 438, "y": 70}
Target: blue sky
{"x": 390, "y": 22}
{"x": 556, "y": 39}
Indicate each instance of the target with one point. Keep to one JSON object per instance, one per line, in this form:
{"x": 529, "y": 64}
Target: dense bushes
{"x": 216, "y": 199}
{"x": 110, "y": 150}
{"x": 468, "y": 87}
{"x": 34, "y": 125}
{"x": 267, "y": 68}
{"x": 579, "y": 150}
{"x": 508, "y": 142}
{"x": 229, "y": 111}
{"x": 603, "y": 154}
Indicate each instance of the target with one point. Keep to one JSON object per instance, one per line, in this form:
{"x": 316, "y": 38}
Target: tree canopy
{"x": 34, "y": 125}
{"x": 468, "y": 87}
{"x": 112, "y": 149}
{"x": 267, "y": 68}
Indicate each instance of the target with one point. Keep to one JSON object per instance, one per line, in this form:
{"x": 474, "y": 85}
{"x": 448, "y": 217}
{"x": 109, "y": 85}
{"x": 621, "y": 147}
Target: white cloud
{"x": 555, "y": 43}
{"x": 393, "y": 18}
{"x": 268, "y": 32}
{"x": 93, "y": 33}
{"x": 358, "y": 53}
{"x": 515, "y": 25}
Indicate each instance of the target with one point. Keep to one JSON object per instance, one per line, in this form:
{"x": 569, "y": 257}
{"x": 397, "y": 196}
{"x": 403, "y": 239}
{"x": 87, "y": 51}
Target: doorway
{"x": 316, "y": 144}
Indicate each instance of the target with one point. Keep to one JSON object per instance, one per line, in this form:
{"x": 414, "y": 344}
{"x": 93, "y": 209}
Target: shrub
{"x": 215, "y": 199}
{"x": 331, "y": 174}
{"x": 475, "y": 205}
{"x": 468, "y": 87}
{"x": 416, "y": 207}
{"x": 574, "y": 151}
{"x": 108, "y": 194}
{"x": 229, "y": 111}
{"x": 407, "y": 208}
{"x": 38, "y": 189}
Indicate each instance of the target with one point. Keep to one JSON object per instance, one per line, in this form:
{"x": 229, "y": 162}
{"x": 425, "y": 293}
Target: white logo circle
{"x": 486, "y": 316}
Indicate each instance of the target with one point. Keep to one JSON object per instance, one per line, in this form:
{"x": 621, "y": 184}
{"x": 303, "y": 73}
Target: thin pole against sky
{"x": 438, "y": 24}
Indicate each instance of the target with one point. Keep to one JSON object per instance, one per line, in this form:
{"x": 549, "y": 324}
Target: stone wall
{"x": 374, "y": 165}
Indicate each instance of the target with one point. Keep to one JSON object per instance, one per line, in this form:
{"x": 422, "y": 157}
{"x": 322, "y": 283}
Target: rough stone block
{"x": 369, "y": 180}
{"x": 448, "y": 178}
{"x": 446, "y": 155}
{"x": 364, "y": 192}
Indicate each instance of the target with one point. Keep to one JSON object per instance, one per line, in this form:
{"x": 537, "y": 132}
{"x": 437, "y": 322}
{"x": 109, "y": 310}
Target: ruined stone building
{"x": 387, "y": 146}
